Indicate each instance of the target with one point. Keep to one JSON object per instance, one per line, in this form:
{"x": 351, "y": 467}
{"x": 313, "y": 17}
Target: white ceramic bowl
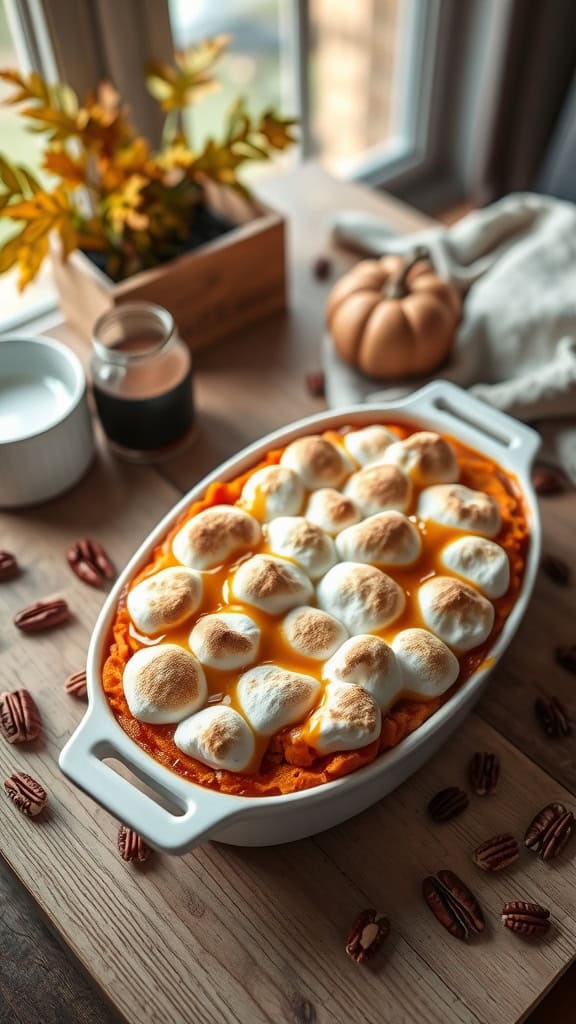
{"x": 46, "y": 440}
{"x": 199, "y": 813}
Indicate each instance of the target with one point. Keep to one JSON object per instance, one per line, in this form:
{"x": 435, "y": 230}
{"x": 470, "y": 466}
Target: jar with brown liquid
{"x": 142, "y": 381}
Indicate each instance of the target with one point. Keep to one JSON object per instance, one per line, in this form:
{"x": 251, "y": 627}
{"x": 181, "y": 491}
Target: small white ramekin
{"x": 41, "y": 464}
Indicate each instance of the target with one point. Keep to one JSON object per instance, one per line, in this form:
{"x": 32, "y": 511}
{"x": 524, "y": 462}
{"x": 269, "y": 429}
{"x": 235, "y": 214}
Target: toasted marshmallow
{"x": 163, "y": 684}
{"x": 426, "y": 457}
{"x": 214, "y": 535}
{"x": 368, "y": 444}
{"x": 379, "y": 488}
{"x": 455, "y": 612}
{"x": 385, "y": 539}
{"x": 369, "y": 662}
{"x": 225, "y": 640}
{"x": 481, "y": 562}
{"x": 165, "y": 600}
{"x": 273, "y": 491}
{"x": 458, "y": 506}
{"x": 272, "y": 697}
{"x": 348, "y": 719}
{"x": 428, "y": 667}
{"x": 294, "y": 537}
{"x": 317, "y": 461}
{"x": 313, "y": 633}
{"x": 271, "y": 584}
{"x": 217, "y": 736}
{"x": 362, "y": 597}
{"x": 331, "y": 510}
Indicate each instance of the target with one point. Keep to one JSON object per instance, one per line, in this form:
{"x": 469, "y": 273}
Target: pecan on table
{"x": 547, "y": 481}
{"x": 525, "y": 918}
{"x": 42, "y": 615}
{"x": 19, "y": 717}
{"x": 552, "y": 717}
{"x": 27, "y": 795}
{"x": 131, "y": 846}
{"x": 75, "y": 684}
{"x": 447, "y": 804}
{"x": 566, "y": 657}
{"x": 484, "y": 773}
{"x": 453, "y": 904}
{"x": 555, "y": 569}
{"x": 8, "y": 566}
{"x": 549, "y": 831}
{"x": 369, "y": 932}
{"x": 496, "y": 853}
{"x": 90, "y": 562}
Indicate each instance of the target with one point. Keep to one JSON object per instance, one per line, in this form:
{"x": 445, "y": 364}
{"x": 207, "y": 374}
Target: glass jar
{"x": 142, "y": 382}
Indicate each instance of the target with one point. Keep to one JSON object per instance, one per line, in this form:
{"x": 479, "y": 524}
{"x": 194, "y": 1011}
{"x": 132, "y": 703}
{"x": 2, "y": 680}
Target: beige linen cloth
{"x": 516, "y": 344}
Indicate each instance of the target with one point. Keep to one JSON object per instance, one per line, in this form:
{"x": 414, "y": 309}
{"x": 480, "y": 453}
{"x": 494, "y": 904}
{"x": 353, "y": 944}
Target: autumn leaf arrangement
{"x": 128, "y": 206}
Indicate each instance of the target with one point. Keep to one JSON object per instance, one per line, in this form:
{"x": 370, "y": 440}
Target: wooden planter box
{"x": 220, "y": 288}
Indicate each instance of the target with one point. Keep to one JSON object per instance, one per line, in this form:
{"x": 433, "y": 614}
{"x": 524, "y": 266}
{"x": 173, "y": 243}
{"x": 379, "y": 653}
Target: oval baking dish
{"x": 175, "y": 814}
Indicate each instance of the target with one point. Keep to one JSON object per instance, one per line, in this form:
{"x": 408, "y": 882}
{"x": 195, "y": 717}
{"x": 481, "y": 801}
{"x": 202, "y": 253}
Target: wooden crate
{"x": 217, "y": 290}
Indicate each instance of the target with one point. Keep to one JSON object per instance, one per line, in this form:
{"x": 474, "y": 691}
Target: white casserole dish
{"x": 197, "y": 813}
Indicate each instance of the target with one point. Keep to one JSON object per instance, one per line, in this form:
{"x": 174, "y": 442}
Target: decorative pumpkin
{"x": 394, "y": 317}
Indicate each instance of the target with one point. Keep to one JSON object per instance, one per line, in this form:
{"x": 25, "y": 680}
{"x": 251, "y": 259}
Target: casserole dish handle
{"x": 83, "y": 761}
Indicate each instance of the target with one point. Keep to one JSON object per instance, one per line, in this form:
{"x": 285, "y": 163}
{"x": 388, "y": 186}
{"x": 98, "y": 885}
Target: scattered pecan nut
{"x": 497, "y": 853}
{"x": 552, "y": 717}
{"x": 447, "y": 804}
{"x": 28, "y": 795}
{"x": 131, "y": 846}
{"x": 453, "y": 904}
{"x": 20, "y": 720}
{"x": 90, "y": 562}
{"x": 369, "y": 932}
{"x": 8, "y": 566}
{"x": 316, "y": 384}
{"x": 484, "y": 773}
{"x": 322, "y": 268}
{"x": 556, "y": 569}
{"x": 525, "y": 918}
{"x": 42, "y": 615}
{"x": 75, "y": 684}
{"x": 547, "y": 480}
{"x": 566, "y": 657}
{"x": 549, "y": 831}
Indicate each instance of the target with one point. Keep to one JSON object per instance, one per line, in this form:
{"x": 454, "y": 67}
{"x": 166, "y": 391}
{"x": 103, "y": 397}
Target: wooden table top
{"x": 226, "y": 934}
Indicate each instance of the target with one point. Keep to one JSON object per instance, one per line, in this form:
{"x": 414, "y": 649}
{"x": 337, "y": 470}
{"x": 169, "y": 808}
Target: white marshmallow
{"x": 379, "y": 488}
{"x": 317, "y": 461}
{"x": 460, "y": 507}
{"x": 331, "y": 510}
{"x": 347, "y": 719}
{"x": 368, "y": 444}
{"x": 271, "y": 584}
{"x": 164, "y": 600}
{"x": 426, "y": 457}
{"x": 225, "y": 640}
{"x": 481, "y": 562}
{"x": 214, "y": 535}
{"x": 428, "y": 667}
{"x": 369, "y": 662}
{"x": 362, "y": 597}
{"x": 273, "y": 491}
{"x": 313, "y": 633}
{"x": 385, "y": 539}
{"x": 271, "y": 697}
{"x": 163, "y": 684}
{"x": 294, "y": 537}
{"x": 218, "y": 737}
{"x": 455, "y": 612}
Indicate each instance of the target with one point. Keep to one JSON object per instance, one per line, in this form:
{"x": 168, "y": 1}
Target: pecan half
{"x": 447, "y": 804}
{"x": 131, "y": 846}
{"x": 90, "y": 562}
{"x": 453, "y": 904}
{"x": 19, "y": 717}
{"x": 526, "y": 918}
{"x": 322, "y": 268}
{"x": 566, "y": 657}
{"x": 484, "y": 773}
{"x": 8, "y": 566}
{"x": 546, "y": 480}
{"x": 555, "y": 569}
{"x": 549, "y": 831}
{"x": 369, "y": 932}
{"x": 552, "y": 717}
{"x": 75, "y": 684}
{"x": 42, "y": 615}
{"x": 316, "y": 384}
{"x": 28, "y": 795}
{"x": 497, "y": 853}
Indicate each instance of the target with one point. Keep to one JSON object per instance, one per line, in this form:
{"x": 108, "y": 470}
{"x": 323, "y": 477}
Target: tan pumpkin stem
{"x": 396, "y": 287}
